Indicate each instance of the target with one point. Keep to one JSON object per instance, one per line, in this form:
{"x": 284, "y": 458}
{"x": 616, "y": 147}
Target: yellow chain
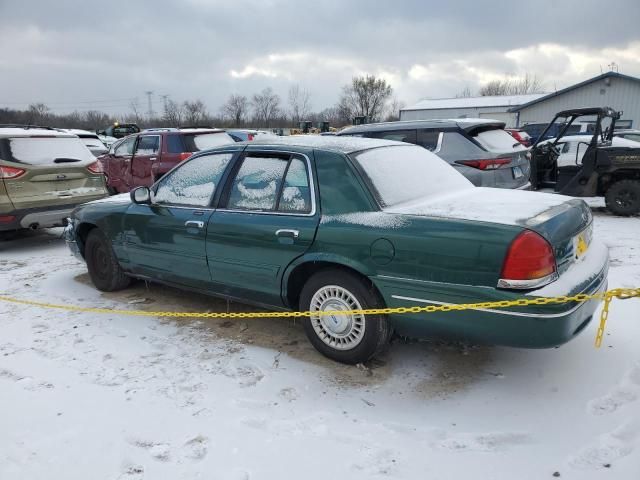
{"x": 620, "y": 293}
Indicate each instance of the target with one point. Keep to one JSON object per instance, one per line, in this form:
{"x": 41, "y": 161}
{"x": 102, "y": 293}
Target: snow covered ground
{"x": 90, "y": 396}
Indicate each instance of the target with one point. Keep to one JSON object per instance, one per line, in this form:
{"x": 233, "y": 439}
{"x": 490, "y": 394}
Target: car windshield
{"x": 400, "y": 174}
{"x": 45, "y": 150}
{"x": 497, "y": 140}
{"x": 204, "y": 141}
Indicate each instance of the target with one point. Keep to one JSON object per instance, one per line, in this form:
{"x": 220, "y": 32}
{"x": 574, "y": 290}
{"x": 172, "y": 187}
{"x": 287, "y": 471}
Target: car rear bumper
{"x": 40, "y": 217}
{"x": 532, "y": 326}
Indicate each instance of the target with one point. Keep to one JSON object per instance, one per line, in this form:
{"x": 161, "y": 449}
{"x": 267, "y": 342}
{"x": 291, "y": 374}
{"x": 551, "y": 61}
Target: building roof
{"x": 573, "y": 87}
{"x": 474, "y": 102}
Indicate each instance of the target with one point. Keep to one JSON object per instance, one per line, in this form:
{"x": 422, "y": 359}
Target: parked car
{"x": 629, "y": 134}
{"x": 91, "y": 141}
{"x": 44, "y": 174}
{"x": 535, "y": 130}
{"x": 478, "y": 148}
{"x": 247, "y": 135}
{"x": 318, "y": 224}
{"x": 143, "y": 158}
{"x": 598, "y": 164}
{"x": 119, "y": 130}
{"x": 520, "y": 135}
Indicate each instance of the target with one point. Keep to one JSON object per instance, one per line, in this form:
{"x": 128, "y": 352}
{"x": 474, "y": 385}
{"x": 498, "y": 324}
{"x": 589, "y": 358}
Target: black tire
{"x": 103, "y": 266}
{"x": 623, "y": 198}
{"x": 376, "y": 327}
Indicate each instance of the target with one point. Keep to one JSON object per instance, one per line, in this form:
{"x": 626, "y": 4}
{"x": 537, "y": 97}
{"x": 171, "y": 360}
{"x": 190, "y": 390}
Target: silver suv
{"x": 44, "y": 174}
{"x": 478, "y": 148}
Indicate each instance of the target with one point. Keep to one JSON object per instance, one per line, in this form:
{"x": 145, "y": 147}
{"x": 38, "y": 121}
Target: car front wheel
{"x": 347, "y": 338}
{"x": 103, "y": 266}
{"x": 623, "y": 197}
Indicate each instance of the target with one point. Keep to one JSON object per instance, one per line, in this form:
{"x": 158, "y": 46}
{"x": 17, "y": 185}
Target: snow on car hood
{"x": 508, "y": 207}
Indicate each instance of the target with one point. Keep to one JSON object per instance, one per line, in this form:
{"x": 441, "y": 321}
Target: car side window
{"x": 296, "y": 194}
{"x": 455, "y": 146}
{"x": 125, "y": 148}
{"x": 271, "y": 183}
{"x": 428, "y": 139}
{"x": 257, "y": 183}
{"x": 408, "y": 136}
{"x": 148, "y": 145}
{"x": 194, "y": 182}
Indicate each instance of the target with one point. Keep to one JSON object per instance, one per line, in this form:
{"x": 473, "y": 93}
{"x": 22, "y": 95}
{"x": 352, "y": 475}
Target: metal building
{"x": 493, "y": 107}
{"x": 611, "y": 89}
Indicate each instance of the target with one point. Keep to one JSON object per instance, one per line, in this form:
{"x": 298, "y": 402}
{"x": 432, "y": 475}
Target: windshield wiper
{"x": 66, "y": 160}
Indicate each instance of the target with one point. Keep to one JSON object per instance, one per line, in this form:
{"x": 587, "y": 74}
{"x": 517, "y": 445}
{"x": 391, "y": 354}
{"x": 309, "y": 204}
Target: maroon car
{"x": 142, "y": 158}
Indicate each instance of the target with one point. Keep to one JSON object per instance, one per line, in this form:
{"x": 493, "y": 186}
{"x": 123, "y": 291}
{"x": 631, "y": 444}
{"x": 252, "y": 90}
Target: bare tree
{"x": 38, "y": 113}
{"x": 265, "y": 106}
{"x": 299, "y": 103}
{"x": 365, "y": 96}
{"x": 465, "y": 93}
{"x": 235, "y": 108}
{"x": 173, "y": 113}
{"x": 195, "y": 113}
{"x": 508, "y": 86}
{"x": 135, "y": 111}
{"x": 393, "y": 110}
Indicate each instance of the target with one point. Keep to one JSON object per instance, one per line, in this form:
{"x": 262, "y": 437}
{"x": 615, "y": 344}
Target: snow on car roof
{"x": 470, "y": 102}
{"x": 33, "y": 132}
{"x": 344, "y": 144}
{"x": 80, "y": 132}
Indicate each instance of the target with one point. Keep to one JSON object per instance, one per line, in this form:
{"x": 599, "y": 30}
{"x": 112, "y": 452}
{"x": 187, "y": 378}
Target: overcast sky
{"x": 83, "y": 54}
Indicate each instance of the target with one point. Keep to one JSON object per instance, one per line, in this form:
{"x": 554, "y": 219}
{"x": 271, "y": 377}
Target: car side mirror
{"x": 141, "y": 195}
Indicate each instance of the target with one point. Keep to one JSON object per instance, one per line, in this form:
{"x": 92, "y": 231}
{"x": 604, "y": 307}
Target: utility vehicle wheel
{"x": 104, "y": 269}
{"x": 350, "y": 338}
{"x": 623, "y": 197}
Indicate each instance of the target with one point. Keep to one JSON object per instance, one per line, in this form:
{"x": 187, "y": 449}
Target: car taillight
{"x": 529, "y": 263}
{"x": 249, "y": 136}
{"x": 488, "y": 164}
{"x": 184, "y": 155}
{"x": 95, "y": 167}
{"x": 10, "y": 172}
{"x": 7, "y": 219}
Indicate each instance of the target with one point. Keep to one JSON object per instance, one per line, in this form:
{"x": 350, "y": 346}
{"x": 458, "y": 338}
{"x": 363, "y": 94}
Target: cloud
{"x": 64, "y": 54}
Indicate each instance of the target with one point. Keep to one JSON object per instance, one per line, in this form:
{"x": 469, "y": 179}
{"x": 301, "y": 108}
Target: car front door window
{"x": 194, "y": 182}
{"x": 125, "y": 148}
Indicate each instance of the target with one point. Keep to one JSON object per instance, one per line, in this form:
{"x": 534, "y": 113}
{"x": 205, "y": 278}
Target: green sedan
{"x": 317, "y": 224}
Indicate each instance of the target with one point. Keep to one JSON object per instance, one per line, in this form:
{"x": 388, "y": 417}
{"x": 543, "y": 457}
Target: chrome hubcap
{"x": 339, "y": 331}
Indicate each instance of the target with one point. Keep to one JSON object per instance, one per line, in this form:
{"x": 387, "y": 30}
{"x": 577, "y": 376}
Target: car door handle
{"x": 283, "y": 232}
{"x": 153, "y": 158}
{"x": 194, "y": 223}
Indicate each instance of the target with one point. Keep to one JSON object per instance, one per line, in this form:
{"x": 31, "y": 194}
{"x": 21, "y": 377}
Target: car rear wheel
{"x": 103, "y": 266}
{"x": 623, "y": 197}
{"x": 348, "y": 338}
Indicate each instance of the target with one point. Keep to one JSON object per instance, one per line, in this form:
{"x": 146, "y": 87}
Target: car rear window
{"x": 402, "y": 174}
{"x": 204, "y": 141}
{"x": 44, "y": 150}
{"x": 497, "y": 140}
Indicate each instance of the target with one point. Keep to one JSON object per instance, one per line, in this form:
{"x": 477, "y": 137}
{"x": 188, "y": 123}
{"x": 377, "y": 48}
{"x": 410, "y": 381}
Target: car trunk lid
{"x": 565, "y": 222}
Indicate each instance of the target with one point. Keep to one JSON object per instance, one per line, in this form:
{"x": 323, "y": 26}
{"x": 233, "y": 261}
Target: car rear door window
{"x": 457, "y": 147}
{"x": 175, "y": 144}
{"x": 257, "y": 184}
{"x": 407, "y": 136}
{"x": 278, "y": 183}
{"x": 194, "y": 182}
{"x": 428, "y": 139}
{"x": 296, "y": 194}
